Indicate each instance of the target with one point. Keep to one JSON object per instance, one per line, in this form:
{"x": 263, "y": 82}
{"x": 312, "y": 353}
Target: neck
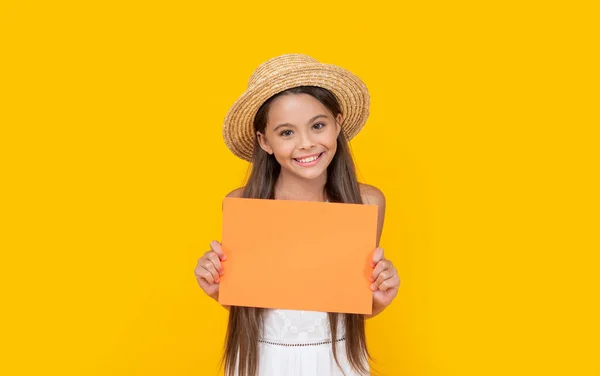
{"x": 290, "y": 187}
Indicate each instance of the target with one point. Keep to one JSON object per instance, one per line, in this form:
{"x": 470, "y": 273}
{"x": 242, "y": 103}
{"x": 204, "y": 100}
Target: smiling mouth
{"x": 308, "y": 161}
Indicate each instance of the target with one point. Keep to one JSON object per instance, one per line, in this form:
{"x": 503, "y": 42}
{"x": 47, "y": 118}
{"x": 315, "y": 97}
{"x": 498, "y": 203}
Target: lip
{"x": 309, "y": 164}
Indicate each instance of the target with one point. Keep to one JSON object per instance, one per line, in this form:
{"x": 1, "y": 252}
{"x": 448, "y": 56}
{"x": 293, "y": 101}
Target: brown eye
{"x": 318, "y": 126}
{"x": 286, "y": 133}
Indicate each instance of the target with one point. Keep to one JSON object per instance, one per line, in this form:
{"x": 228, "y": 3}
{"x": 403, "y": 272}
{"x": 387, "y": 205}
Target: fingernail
{"x": 217, "y": 280}
{"x": 224, "y": 258}
{"x": 373, "y": 287}
{"x": 221, "y": 272}
{"x": 371, "y": 279}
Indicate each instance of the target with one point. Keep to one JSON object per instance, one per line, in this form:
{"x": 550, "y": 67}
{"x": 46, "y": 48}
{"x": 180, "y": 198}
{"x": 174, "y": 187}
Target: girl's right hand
{"x": 209, "y": 270}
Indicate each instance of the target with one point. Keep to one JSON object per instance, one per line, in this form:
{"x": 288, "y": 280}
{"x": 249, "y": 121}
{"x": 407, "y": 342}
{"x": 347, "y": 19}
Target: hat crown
{"x": 278, "y": 65}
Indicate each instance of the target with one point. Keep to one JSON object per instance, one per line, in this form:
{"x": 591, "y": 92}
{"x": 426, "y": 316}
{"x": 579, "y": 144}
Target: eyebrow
{"x": 291, "y": 125}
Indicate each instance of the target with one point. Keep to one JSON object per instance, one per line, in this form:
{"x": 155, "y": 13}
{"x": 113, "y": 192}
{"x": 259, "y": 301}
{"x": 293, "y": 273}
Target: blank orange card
{"x": 299, "y": 255}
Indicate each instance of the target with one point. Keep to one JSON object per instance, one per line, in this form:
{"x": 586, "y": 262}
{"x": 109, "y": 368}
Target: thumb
{"x": 216, "y": 246}
{"x": 377, "y": 256}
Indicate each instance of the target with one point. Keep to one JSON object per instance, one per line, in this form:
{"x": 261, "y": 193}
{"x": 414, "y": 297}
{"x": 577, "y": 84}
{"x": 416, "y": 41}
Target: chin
{"x": 312, "y": 175}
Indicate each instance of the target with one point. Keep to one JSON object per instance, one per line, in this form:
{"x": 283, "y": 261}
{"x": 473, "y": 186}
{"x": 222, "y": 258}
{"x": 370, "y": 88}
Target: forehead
{"x": 295, "y": 109}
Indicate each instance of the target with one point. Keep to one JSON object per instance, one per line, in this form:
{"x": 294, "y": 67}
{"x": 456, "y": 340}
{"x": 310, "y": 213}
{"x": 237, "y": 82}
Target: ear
{"x": 338, "y": 122}
{"x": 264, "y": 144}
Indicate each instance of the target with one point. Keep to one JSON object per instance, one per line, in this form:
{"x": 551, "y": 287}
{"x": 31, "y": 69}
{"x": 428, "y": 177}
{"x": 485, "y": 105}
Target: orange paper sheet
{"x": 298, "y": 255}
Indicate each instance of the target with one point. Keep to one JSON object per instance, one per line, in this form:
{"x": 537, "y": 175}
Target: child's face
{"x": 302, "y": 135}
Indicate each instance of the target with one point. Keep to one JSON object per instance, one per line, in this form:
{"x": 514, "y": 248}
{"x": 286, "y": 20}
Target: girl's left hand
{"x": 385, "y": 280}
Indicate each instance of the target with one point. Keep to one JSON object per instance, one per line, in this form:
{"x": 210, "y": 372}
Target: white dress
{"x": 310, "y": 352}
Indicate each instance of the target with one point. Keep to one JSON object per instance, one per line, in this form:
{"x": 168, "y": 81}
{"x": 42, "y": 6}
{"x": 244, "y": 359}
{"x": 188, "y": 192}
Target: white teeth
{"x": 309, "y": 159}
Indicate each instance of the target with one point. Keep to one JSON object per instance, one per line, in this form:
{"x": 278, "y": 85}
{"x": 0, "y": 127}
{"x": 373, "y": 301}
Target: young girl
{"x": 293, "y": 123}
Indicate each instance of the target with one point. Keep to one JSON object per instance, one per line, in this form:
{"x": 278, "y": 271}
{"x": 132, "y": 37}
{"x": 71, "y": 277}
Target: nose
{"x": 305, "y": 142}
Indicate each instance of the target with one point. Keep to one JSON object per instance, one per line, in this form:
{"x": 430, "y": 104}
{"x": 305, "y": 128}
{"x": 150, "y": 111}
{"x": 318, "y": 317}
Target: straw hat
{"x": 285, "y": 72}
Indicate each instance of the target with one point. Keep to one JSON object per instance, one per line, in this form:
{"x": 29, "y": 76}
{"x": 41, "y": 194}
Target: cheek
{"x": 331, "y": 141}
{"x": 283, "y": 148}
{"x": 333, "y": 147}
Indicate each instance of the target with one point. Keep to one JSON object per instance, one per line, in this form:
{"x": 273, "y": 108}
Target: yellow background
{"x": 483, "y": 136}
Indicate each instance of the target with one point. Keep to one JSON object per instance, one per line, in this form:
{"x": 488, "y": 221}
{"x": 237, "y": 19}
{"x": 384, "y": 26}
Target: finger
{"x": 391, "y": 283}
{"x": 202, "y": 282}
{"x": 216, "y": 246}
{"x": 207, "y": 265}
{"x": 385, "y": 275}
{"x": 380, "y": 267}
{"x": 203, "y": 273}
{"x": 377, "y": 256}
{"x": 214, "y": 258}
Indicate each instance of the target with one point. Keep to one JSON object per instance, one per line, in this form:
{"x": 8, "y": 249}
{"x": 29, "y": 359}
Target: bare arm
{"x": 373, "y": 196}
{"x": 386, "y": 280}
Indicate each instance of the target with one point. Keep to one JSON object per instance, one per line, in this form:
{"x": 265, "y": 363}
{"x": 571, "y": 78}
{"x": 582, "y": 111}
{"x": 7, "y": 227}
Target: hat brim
{"x": 351, "y": 93}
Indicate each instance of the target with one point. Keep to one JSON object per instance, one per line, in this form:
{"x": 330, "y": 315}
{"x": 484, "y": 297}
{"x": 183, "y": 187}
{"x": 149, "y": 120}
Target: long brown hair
{"x": 245, "y": 323}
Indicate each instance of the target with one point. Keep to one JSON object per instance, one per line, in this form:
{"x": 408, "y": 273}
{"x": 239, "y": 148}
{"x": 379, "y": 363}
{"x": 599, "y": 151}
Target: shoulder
{"x": 371, "y": 195}
{"x": 236, "y": 193}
